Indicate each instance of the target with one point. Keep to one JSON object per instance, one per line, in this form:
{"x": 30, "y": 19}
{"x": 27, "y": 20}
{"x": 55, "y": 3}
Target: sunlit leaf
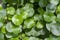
{"x": 17, "y": 19}
{"x": 29, "y": 23}
{"x": 10, "y": 10}
{"x": 54, "y": 28}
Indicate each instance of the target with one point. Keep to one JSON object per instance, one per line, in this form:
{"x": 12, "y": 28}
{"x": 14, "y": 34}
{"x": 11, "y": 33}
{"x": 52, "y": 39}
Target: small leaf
{"x": 54, "y": 28}
{"x": 8, "y": 35}
{"x": 36, "y": 17}
{"x": 17, "y": 19}
{"x": 33, "y": 32}
{"x": 10, "y": 10}
{"x": 58, "y": 9}
{"x": 49, "y": 17}
{"x": 58, "y": 18}
{"x": 28, "y": 8}
{"x": 55, "y": 2}
{"x": 9, "y": 27}
{"x": 11, "y": 35}
{"x": 2, "y": 14}
{"x": 1, "y": 24}
{"x": 1, "y": 7}
{"x": 1, "y": 36}
{"x": 3, "y": 29}
{"x": 29, "y": 23}
{"x": 39, "y": 25}
{"x": 42, "y": 3}
{"x": 17, "y": 30}
{"x": 50, "y": 8}
{"x": 18, "y": 11}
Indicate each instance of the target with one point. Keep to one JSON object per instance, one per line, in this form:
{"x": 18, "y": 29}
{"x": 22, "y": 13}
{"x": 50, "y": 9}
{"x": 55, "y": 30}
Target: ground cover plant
{"x": 29, "y": 19}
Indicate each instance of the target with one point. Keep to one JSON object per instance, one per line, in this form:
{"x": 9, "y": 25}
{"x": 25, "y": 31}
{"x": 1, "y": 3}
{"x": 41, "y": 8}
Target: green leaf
{"x": 23, "y": 35}
{"x": 1, "y": 7}
{"x": 17, "y": 19}
{"x": 11, "y": 1}
{"x": 14, "y": 39}
{"x": 17, "y": 30}
{"x": 9, "y": 27}
{"x": 9, "y": 17}
{"x": 1, "y": 24}
{"x": 26, "y": 38}
{"x": 21, "y": 12}
{"x": 18, "y": 11}
{"x": 58, "y": 9}
{"x": 54, "y": 28}
{"x": 10, "y": 10}
{"x": 52, "y": 38}
{"x": 58, "y": 18}
{"x": 49, "y": 17}
{"x": 3, "y": 29}
{"x": 36, "y": 17}
{"x": 32, "y": 1}
{"x": 22, "y": 2}
{"x": 11, "y": 35}
{"x": 1, "y": 36}
{"x": 39, "y": 25}
{"x": 24, "y": 15}
{"x": 50, "y": 8}
{"x": 30, "y": 20}
{"x": 33, "y": 32}
{"x": 55, "y": 2}
{"x": 28, "y": 8}
{"x": 2, "y": 13}
{"x": 41, "y": 11}
{"x": 30, "y": 12}
{"x": 29, "y": 23}
{"x": 8, "y": 35}
{"x": 43, "y": 3}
